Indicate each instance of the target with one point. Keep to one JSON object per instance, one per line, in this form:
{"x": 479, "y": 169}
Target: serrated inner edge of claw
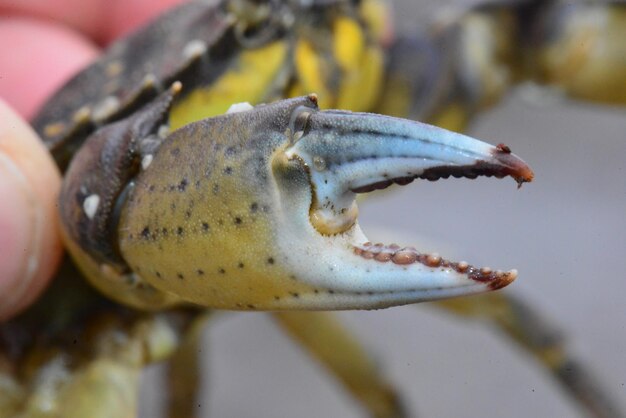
{"x": 494, "y": 279}
{"x": 480, "y": 169}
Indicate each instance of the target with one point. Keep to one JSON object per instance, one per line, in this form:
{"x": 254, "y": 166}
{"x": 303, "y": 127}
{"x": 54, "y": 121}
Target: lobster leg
{"x": 184, "y": 371}
{"x": 100, "y": 376}
{"x": 327, "y": 340}
{"x": 542, "y": 340}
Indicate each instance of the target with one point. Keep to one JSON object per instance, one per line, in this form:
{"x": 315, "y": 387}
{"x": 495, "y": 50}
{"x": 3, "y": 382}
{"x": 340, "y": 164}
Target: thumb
{"x": 30, "y": 246}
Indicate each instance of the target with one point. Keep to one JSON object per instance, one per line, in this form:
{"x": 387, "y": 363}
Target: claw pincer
{"x": 256, "y": 209}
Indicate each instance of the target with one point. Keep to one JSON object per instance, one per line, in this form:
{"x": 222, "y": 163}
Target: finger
{"x": 82, "y": 15}
{"x": 30, "y": 246}
{"x": 101, "y": 20}
{"x": 37, "y": 58}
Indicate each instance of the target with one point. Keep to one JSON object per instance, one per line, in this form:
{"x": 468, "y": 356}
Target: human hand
{"x": 43, "y": 42}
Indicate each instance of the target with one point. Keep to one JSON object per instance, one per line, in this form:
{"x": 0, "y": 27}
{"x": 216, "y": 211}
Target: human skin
{"x": 44, "y": 42}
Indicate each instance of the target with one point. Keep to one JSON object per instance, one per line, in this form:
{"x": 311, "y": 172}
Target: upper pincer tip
{"x": 512, "y": 165}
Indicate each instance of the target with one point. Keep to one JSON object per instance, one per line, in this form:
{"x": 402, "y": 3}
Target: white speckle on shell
{"x": 146, "y": 161}
{"x": 194, "y": 49}
{"x": 105, "y": 108}
{"x": 90, "y": 205}
{"x": 163, "y": 131}
{"x": 149, "y": 80}
{"x": 239, "y": 107}
{"x": 81, "y": 114}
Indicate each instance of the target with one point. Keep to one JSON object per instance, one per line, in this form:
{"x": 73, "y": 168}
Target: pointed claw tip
{"x": 516, "y": 167}
{"x": 502, "y": 280}
{"x": 524, "y": 174}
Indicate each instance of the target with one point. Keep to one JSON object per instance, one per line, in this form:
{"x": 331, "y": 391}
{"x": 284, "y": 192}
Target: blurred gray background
{"x": 565, "y": 233}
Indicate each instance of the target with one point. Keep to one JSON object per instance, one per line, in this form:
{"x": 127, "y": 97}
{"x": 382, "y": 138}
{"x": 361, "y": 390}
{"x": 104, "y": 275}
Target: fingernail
{"x": 20, "y": 235}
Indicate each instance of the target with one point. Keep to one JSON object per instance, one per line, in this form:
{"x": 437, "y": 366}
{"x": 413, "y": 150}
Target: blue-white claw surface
{"x": 348, "y": 153}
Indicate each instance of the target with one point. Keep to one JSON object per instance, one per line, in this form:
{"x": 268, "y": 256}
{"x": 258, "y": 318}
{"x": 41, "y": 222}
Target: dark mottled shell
{"x": 191, "y": 43}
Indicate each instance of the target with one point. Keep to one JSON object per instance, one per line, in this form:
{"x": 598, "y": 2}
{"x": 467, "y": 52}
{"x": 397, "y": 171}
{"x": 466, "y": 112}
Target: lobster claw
{"x": 256, "y": 209}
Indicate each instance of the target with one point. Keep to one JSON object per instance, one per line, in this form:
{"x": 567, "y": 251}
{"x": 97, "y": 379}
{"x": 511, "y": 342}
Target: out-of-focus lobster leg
{"x": 542, "y": 340}
{"x": 463, "y": 66}
{"x": 101, "y": 378}
{"x": 184, "y": 371}
{"x": 580, "y": 49}
{"x": 11, "y": 392}
{"x": 327, "y": 340}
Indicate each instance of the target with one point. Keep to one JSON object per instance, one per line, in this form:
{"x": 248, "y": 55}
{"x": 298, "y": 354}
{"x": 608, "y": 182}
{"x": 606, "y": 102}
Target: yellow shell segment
{"x": 360, "y": 88}
{"x": 378, "y": 19}
{"x": 348, "y": 43}
{"x": 250, "y": 79}
{"x": 312, "y": 73}
{"x": 453, "y": 117}
{"x": 347, "y": 75}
